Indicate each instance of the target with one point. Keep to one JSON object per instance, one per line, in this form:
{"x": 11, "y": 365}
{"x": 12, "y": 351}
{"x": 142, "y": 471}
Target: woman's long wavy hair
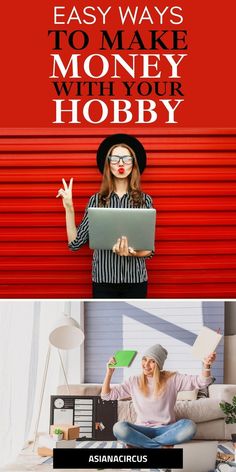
{"x": 108, "y": 181}
{"x": 160, "y": 378}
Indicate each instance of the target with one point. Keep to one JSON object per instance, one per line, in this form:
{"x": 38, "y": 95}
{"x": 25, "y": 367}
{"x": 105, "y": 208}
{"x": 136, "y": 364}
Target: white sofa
{"x": 205, "y": 412}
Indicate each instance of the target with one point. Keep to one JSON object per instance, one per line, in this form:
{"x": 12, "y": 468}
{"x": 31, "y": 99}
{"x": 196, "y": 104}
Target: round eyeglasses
{"x": 124, "y": 159}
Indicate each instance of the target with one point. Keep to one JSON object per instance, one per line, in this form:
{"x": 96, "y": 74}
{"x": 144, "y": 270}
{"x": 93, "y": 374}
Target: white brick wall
{"x": 124, "y": 325}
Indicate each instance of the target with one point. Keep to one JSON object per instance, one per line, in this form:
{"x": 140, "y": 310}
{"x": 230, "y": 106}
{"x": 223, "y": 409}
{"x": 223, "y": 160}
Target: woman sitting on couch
{"x": 154, "y": 395}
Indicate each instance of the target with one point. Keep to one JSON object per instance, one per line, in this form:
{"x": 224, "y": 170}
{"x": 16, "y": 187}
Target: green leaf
{"x": 229, "y": 410}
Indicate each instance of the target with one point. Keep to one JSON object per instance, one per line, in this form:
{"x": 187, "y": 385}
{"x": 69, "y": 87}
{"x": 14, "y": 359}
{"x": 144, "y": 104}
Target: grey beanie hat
{"x": 158, "y": 353}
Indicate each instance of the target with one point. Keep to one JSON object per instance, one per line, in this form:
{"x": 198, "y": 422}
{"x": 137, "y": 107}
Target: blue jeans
{"x": 155, "y": 437}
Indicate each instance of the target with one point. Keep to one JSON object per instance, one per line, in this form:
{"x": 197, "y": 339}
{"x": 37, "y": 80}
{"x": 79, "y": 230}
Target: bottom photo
{"x": 118, "y": 385}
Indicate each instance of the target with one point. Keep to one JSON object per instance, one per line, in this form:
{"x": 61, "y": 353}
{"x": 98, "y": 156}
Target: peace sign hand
{"x": 66, "y": 193}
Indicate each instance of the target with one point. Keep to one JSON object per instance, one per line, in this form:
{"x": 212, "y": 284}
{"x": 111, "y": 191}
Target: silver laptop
{"x": 198, "y": 456}
{"x": 106, "y": 225}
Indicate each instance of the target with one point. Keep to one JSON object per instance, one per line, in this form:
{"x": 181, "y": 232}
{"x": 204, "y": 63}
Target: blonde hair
{"x": 108, "y": 182}
{"x": 160, "y": 378}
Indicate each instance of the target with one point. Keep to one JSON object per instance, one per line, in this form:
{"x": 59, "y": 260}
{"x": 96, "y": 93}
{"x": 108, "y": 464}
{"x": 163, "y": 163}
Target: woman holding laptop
{"x": 120, "y": 272}
{"x": 154, "y": 395}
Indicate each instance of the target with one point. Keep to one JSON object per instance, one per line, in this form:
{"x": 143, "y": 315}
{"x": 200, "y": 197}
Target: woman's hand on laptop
{"x": 122, "y": 248}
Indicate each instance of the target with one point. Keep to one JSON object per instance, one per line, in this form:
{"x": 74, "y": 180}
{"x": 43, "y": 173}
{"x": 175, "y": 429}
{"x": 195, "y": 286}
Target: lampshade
{"x": 67, "y": 334}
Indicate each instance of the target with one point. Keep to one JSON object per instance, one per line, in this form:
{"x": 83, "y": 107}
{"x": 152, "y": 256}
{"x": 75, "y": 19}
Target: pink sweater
{"x": 154, "y": 411}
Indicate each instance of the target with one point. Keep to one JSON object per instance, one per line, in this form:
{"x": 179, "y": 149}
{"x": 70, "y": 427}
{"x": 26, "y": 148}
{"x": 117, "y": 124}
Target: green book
{"x": 123, "y": 358}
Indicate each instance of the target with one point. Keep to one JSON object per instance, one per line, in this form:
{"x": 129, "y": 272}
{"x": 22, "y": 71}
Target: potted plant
{"x": 57, "y": 434}
{"x": 229, "y": 410}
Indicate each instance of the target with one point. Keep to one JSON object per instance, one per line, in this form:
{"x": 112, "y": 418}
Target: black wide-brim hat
{"x": 116, "y": 139}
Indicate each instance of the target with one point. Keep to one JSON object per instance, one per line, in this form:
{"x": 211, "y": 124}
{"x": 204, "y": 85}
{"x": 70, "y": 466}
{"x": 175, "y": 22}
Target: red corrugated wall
{"x": 191, "y": 176}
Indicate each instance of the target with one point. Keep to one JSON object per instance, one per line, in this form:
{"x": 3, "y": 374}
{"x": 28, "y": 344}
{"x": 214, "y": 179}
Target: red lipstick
{"x": 121, "y": 170}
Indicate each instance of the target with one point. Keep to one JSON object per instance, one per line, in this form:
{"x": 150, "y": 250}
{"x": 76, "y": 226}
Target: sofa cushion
{"x": 199, "y": 411}
{"x": 211, "y": 430}
{"x": 80, "y": 389}
{"x": 204, "y": 409}
{"x": 188, "y": 395}
{"x": 222, "y": 392}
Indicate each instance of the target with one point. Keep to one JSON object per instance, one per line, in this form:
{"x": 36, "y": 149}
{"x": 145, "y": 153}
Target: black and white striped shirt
{"x": 109, "y": 267}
